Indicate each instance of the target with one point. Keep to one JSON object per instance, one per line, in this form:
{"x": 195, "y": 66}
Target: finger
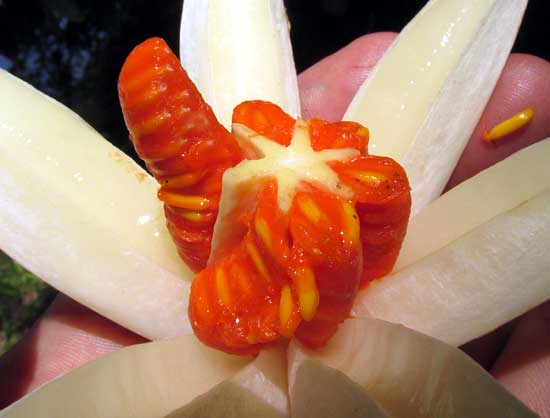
{"x": 525, "y": 82}
{"x": 326, "y": 88}
{"x": 524, "y": 365}
{"x": 485, "y": 350}
{"x": 67, "y": 336}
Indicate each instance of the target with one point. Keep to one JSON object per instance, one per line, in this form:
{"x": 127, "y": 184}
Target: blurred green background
{"x": 73, "y": 50}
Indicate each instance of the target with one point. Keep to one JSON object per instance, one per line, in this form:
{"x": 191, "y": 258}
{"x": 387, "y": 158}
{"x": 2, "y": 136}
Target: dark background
{"x": 74, "y": 49}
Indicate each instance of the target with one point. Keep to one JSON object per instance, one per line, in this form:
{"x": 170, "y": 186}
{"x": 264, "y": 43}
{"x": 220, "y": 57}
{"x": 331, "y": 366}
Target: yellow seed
{"x": 363, "y": 131}
{"x": 244, "y": 283}
{"x": 260, "y": 119}
{"x": 140, "y": 98}
{"x": 194, "y": 216}
{"x": 144, "y": 77}
{"x": 242, "y": 278}
{"x": 257, "y": 260}
{"x": 285, "y": 307}
{"x": 251, "y": 339}
{"x": 182, "y": 180}
{"x": 308, "y": 294}
{"x": 370, "y": 177}
{"x": 510, "y": 125}
{"x": 310, "y": 209}
{"x": 263, "y": 231}
{"x": 184, "y": 201}
{"x": 351, "y": 223}
{"x": 222, "y": 286}
{"x": 150, "y": 125}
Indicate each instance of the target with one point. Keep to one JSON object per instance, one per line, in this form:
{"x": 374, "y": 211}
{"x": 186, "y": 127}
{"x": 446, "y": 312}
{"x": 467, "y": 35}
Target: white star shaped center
{"x": 288, "y": 165}
{"x": 266, "y": 159}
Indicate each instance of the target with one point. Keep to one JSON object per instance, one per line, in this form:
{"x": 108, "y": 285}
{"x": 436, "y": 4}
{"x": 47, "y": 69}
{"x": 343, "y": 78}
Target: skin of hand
{"x": 518, "y": 354}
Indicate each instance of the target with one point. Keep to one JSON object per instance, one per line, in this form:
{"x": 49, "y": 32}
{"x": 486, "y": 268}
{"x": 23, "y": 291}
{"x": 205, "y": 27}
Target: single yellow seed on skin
{"x": 250, "y": 339}
{"x": 510, "y": 125}
{"x": 257, "y": 260}
{"x": 263, "y": 231}
{"x": 370, "y": 177}
{"x": 183, "y": 180}
{"x": 222, "y": 286}
{"x": 184, "y": 201}
{"x": 351, "y": 222}
{"x": 286, "y": 305}
{"x": 310, "y": 209}
{"x": 308, "y": 294}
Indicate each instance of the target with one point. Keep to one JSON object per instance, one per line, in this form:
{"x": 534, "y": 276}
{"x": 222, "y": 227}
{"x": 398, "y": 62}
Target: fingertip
{"x": 326, "y": 88}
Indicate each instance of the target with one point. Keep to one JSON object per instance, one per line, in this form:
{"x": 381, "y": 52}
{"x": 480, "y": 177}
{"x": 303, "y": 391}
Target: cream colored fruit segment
{"x": 471, "y": 286}
{"x": 82, "y": 216}
{"x": 317, "y": 390}
{"x": 408, "y": 374}
{"x": 424, "y": 98}
{"x": 239, "y": 50}
{"x": 147, "y": 380}
{"x": 496, "y": 190}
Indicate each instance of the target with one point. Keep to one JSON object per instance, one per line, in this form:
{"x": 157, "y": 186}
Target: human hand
{"x": 69, "y": 335}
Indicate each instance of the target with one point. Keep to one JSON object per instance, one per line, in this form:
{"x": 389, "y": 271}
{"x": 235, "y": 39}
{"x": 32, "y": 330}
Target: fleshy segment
{"x": 292, "y": 274}
{"x": 177, "y": 135}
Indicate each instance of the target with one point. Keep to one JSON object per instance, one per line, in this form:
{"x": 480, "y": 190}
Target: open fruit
{"x": 303, "y": 218}
{"x": 164, "y": 314}
{"x": 133, "y": 274}
{"x": 405, "y": 373}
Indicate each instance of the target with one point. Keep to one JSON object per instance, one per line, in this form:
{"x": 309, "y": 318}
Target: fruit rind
{"x": 471, "y": 287}
{"x": 426, "y": 95}
{"x": 237, "y": 51}
{"x": 102, "y": 242}
{"x": 408, "y": 374}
